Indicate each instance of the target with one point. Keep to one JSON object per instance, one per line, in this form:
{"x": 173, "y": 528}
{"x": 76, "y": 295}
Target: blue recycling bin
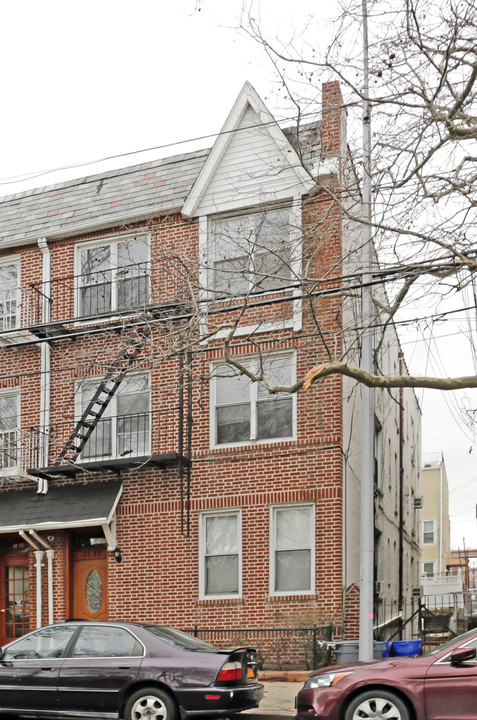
{"x": 406, "y": 648}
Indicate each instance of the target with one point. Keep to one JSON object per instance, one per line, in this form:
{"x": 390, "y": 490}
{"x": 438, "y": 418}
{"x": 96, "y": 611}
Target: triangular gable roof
{"x": 250, "y": 130}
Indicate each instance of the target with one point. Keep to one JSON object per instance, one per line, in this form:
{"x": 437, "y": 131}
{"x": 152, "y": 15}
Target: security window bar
{"x": 125, "y": 429}
{"x": 222, "y": 548}
{"x": 292, "y": 549}
{"x": 9, "y": 305}
{"x": 9, "y": 431}
{"x": 114, "y": 276}
{"x": 250, "y": 252}
{"x": 246, "y": 411}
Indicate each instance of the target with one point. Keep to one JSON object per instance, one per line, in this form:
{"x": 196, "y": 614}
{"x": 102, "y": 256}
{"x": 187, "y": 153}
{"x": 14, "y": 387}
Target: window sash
{"x": 9, "y": 430}
{"x": 292, "y": 549}
{"x": 9, "y": 296}
{"x": 113, "y": 276}
{"x": 245, "y": 411}
{"x": 250, "y": 250}
{"x": 221, "y": 554}
{"x": 428, "y": 532}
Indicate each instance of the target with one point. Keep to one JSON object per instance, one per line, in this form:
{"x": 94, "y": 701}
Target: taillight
{"x": 230, "y": 671}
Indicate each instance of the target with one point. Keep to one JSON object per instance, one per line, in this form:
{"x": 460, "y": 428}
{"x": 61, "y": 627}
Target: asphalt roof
{"x": 100, "y": 200}
{"x": 62, "y": 505}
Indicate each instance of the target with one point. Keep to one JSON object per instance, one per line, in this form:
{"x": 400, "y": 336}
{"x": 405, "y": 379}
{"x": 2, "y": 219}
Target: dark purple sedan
{"x": 124, "y": 670}
{"x": 441, "y": 685}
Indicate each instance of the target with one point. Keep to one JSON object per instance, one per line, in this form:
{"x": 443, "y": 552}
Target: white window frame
{"x": 274, "y": 509}
{"x": 113, "y": 241}
{"x": 253, "y": 405}
{"x": 424, "y": 571}
{"x": 112, "y": 409}
{"x": 206, "y": 268}
{"x": 235, "y": 512}
{"x": 12, "y": 469}
{"x": 424, "y": 531}
{"x": 15, "y": 261}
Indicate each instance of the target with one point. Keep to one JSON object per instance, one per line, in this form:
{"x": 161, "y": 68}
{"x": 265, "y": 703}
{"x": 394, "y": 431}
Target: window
{"x": 9, "y": 430}
{"x": 246, "y": 411}
{"x": 113, "y": 276}
{"x": 428, "y": 568}
{"x": 100, "y": 641}
{"x": 292, "y": 549}
{"x": 48, "y": 642}
{"x": 221, "y": 554}
{"x": 9, "y": 300}
{"x": 125, "y": 428}
{"x": 429, "y": 532}
{"x": 248, "y": 252}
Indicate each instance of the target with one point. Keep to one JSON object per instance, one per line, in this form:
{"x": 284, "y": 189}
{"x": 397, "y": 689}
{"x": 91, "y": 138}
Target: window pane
{"x": 133, "y": 274}
{"x": 233, "y": 423}
{"x": 106, "y": 642}
{"x": 231, "y": 240}
{"x": 100, "y": 442}
{"x": 231, "y": 388}
{"x": 275, "y": 419}
{"x": 95, "y": 294}
{"x": 280, "y": 371}
{"x": 8, "y": 296}
{"x": 133, "y": 435}
{"x": 8, "y": 430}
{"x": 293, "y": 527}
{"x": 46, "y": 643}
{"x": 293, "y": 570}
{"x": 221, "y": 534}
{"x": 221, "y": 575}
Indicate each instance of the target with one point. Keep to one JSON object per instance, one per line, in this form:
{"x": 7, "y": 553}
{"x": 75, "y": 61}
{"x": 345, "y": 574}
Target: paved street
{"x": 278, "y": 702}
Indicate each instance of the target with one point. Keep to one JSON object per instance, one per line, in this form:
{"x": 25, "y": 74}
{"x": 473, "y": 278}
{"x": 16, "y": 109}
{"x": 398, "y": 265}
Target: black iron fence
{"x": 284, "y": 648}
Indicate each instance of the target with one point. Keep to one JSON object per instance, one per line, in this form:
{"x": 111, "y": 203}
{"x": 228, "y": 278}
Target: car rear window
{"x": 179, "y": 639}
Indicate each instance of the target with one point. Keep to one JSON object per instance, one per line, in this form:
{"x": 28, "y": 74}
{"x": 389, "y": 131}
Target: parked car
{"x": 437, "y": 686}
{"x": 124, "y": 670}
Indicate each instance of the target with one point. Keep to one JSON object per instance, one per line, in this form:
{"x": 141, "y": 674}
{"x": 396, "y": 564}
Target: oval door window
{"x": 94, "y": 591}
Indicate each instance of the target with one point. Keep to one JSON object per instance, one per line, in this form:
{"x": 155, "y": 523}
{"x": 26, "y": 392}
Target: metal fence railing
{"x": 282, "y": 648}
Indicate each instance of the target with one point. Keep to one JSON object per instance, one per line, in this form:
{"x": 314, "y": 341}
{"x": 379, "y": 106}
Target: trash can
{"x": 406, "y": 648}
{"x": 380, "y": 649}
{"x": 347, "y": 651}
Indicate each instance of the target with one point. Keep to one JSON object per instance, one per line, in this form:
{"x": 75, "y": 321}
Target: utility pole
{"x": 366, "y": 594}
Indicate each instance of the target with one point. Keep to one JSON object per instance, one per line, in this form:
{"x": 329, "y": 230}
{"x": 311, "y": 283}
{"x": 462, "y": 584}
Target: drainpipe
{"x": 45, "y": 366}
{"x": 50, "y": 554}
{"x": 440, "y": 516}
{"x": 401, "y": 498}
{"x": 39, "y": 564}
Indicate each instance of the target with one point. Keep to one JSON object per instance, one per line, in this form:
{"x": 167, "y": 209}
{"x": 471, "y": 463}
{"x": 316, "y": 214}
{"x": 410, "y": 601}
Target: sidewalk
{"x": 278, "y": 701}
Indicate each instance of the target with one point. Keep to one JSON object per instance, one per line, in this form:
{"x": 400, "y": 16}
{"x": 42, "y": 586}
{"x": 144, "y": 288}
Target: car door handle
{"x": 47, "y": 668}
{"x": 124, "y": 667}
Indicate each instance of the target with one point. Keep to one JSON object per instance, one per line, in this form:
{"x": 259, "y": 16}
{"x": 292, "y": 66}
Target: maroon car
{"x": 124, "y": 670}
{"x": 441, "y": 685}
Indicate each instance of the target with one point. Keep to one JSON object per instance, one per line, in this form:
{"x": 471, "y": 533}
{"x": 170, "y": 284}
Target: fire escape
{"x": 97, "y": 440}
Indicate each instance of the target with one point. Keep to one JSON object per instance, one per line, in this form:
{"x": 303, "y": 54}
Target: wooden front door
{"x": 14, "y": 597}
{"x": 90, "y": 584}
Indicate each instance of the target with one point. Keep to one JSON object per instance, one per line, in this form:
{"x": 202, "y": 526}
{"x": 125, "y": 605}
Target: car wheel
{"x": 150, "y": 704}
{"x": 378, "y": 705}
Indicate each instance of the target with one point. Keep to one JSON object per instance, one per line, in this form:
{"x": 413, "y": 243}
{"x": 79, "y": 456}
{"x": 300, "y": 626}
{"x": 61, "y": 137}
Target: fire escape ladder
{"x": 102, "y": 397}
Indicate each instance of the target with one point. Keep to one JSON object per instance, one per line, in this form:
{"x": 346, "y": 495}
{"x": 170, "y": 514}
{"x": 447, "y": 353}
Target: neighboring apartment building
{"x": 436, "y": 547}
{"x": 142, "y": 476}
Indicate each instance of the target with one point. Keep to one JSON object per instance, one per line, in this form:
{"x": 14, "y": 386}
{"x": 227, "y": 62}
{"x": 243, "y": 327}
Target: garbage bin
{"x": 347, "y": 651}
{"x": 406, "y": 648}
{"x": 381, "y": 649}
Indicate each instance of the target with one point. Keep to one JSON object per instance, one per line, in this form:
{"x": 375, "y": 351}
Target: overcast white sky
{"x": 100, "y": 78}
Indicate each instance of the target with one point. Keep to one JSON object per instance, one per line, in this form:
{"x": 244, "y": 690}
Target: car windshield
{"x": 179, "y": 639}
{"x": 460, "y": 638}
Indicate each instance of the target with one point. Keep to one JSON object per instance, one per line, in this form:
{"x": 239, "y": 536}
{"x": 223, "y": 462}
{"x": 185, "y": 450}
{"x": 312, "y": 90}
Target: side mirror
{"x": 462, "y": 654}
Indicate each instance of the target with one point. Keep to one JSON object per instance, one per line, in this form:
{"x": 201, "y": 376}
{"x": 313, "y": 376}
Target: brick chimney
{"x": 332, "y": 124}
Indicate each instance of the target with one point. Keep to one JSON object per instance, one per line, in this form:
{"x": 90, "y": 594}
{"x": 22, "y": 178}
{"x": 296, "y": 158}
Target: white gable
{"x": 251, "y": 162}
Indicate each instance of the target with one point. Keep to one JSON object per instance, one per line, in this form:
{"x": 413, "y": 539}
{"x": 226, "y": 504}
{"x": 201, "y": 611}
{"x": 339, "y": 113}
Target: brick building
{"x": 144, "y": 477}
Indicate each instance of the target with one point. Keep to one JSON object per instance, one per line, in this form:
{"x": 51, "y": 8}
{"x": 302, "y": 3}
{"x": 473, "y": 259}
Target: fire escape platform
{"x": 111, "y": 465}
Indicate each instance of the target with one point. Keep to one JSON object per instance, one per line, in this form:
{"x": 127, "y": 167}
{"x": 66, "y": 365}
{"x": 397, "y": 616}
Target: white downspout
{"x": 45, "y": 375}
{"x": 50, "y": 554}
{"x": 441, "y": 512}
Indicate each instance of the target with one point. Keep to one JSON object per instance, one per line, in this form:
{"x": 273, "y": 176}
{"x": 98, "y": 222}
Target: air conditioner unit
{"x": 416, "y": 592}
{"x": 418, "y": 503}
{"x": 378, "y": 587}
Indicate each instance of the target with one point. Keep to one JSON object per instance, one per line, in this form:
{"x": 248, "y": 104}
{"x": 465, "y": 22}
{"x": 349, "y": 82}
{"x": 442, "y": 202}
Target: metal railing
{"x": 278, "y": 648}
{"x": 96, "y": 295}
{"x": 116, "y": 437}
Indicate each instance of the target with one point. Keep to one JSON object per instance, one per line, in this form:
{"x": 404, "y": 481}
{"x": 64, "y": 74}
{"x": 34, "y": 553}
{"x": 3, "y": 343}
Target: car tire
{"x": 157, "y": 705}
{"x": 376, "y": 704}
